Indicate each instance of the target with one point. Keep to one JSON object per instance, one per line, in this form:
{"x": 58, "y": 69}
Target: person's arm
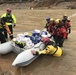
{"x": 64, "y": 33}
{"x": 69, "y": 26}
{"x": 38, "y": 53}
{"x": 69, "y": 30}
{"x": 14, "y": 18}
{"x": 4, "y": 15}
{"x": 7, "y": 28}
{"x": 42, "y": 52}
{"x": 45, "y": 51}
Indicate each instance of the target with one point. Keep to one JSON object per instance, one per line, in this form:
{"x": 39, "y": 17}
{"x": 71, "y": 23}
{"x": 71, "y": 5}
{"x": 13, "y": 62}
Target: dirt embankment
{"x": 68, "y": 4}
{"x": 41, "y": 4}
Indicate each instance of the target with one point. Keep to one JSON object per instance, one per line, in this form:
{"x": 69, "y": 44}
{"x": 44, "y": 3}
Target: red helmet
{"x": 8, "y": 9}
{"x": 45, "y": 39}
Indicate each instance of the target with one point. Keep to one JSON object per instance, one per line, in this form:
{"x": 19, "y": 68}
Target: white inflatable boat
{"x": 26, "y": 57}
{"x": 5, "y": 48}
{"x": 11, "y": 46}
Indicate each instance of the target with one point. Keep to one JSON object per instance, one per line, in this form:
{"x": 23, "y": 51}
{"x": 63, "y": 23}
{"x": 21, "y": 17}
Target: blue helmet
{"x": 48, "y": 19}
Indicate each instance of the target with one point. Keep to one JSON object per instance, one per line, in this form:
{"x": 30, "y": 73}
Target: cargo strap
{"x": 54, "y": 52}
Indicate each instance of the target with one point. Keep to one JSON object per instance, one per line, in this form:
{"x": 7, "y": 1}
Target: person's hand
{"x": 69, "y": 31}
{"x": 14, "y": 25}
{"x": 11, "y": 36}
{"x": 33, "y": 52}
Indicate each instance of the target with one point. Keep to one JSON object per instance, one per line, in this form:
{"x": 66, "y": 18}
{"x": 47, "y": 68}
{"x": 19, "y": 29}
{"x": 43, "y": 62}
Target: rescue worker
{"x": 47, "y": 24}
{"x": 60, "y": 33}
{"x": 4, "y": 26}
{"x": 51, "y": 48}
{"x": 11, "y": 20}
{"x": 67, "y": 24}
{"x": 50, "y": 25}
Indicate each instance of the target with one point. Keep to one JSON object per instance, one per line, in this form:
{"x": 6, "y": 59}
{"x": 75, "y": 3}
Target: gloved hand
{"x": 14, "y": 25}
{"x": 11, "y": 36}
{"x": 69, "y": 31}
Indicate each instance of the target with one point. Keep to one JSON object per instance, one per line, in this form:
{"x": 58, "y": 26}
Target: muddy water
{"x": 43, "y": 65}
{"x": 46, "y": 65}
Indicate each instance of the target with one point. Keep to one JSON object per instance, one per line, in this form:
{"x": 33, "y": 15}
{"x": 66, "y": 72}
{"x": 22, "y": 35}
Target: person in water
{"x": 51, "y": 48}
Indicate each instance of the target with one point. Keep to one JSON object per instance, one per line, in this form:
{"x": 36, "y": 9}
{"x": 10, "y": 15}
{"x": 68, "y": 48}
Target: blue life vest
{"x": 36, "y": 38}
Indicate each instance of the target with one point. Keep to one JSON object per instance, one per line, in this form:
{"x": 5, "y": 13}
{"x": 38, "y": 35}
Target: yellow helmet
{"x": 52, "y": 19}
{"x": 57, "y": 20}
{"x": 65, "y": 16}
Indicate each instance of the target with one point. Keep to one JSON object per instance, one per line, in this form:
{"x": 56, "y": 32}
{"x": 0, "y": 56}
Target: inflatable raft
{"x": 6, "y": 48}
{"x": 26, "y": 57}
{"x": 35, "y": 36}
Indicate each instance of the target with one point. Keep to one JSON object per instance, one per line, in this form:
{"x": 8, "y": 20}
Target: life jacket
{"x": 9, "y": 18}
{"x": 61, "y": 31}
{"x": 51, "y": 45}
{"x": 66, "y": 24}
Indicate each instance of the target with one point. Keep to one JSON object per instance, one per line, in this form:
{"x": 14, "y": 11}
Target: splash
{"x": 73, "y": 15}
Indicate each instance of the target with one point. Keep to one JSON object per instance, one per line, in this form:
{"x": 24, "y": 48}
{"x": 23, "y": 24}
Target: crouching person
{"x": 51, "y": 48}
{"x": 3, "y": 26}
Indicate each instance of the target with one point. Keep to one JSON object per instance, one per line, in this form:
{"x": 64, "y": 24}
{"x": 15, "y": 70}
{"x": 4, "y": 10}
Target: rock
{"x": 5, "y": 72}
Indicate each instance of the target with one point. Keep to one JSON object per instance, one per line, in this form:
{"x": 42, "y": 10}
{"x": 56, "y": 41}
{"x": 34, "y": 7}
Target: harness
{"x": 55, "y": 51}
{"x": 9, "y": 18}
{"x": 55, "y": 45}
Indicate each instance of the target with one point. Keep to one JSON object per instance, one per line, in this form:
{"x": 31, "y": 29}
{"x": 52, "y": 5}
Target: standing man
{"x": 50, "y": 25}
{"x": 60, "y": 33}
{"x": 67, "y": 24}
{"x": 11, "y": 20}
{"x": 47, "y": 26}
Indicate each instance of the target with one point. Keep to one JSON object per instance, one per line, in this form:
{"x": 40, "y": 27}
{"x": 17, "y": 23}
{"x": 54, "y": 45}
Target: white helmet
{"x": 45, "y": 33}
{"x": 36, "y": 31}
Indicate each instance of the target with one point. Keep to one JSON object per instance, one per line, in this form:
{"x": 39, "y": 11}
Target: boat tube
{"x": 26, "y": 57}
{"x": 5, "y": 48}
